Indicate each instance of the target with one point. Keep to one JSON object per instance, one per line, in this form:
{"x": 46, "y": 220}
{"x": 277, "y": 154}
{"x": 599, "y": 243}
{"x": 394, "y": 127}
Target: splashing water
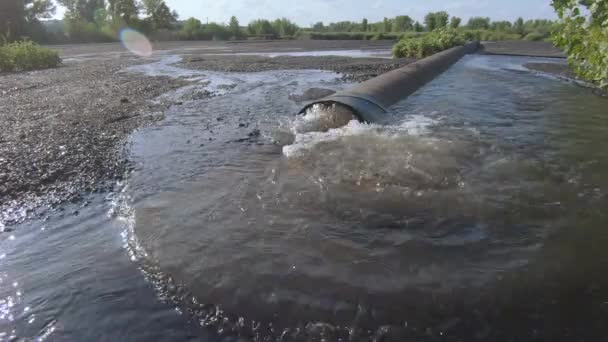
{"x": 135, "y": 42}
{"x": 322, "y": 118}
{"x": 325, "y": 123}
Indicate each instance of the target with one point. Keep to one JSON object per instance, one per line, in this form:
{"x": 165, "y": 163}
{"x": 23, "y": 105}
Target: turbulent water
{"x": 475, "y": 211}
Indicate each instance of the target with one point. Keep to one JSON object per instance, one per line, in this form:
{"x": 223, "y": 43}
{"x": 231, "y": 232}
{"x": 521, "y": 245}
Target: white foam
{"x": 307, "y": 137}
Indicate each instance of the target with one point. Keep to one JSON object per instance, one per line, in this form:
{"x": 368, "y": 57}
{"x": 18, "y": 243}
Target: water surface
{"x": 452, "y": 201}
{"x": 476, "y": 211}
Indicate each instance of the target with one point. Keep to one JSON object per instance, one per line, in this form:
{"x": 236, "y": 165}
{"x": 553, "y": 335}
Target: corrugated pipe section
{"x": 369, "y": 100}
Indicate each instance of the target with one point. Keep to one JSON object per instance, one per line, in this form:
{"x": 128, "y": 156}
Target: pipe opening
{"x": 323, "y": 116}
{"x": 363, "y": 109}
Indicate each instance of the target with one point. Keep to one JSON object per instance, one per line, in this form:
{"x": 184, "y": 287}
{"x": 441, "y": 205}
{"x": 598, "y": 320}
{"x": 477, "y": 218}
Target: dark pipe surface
{"x": 369, "y": 100}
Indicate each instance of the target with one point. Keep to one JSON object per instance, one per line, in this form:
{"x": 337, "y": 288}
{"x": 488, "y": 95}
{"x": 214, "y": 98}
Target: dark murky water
{"x": 475, "y": 212}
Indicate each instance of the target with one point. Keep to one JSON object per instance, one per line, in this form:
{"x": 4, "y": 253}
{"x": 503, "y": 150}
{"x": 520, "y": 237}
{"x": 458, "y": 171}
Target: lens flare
{"x": 135, "y": 42}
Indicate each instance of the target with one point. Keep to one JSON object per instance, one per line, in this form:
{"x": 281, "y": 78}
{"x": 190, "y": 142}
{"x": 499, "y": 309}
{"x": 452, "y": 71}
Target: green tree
{"x": 38, "y": 9}
{"x": 441, "y": 19}
{"x": 216, "y": 32}
{"x": 518, "y": 26}
{"x": 82, "y": 10}
{"x": 191, "y": 29}
{"x": 455, "y": 22}
{"x": 318, "y": 27}
{"x": 343, "y": 26}
{"x": 540, "y": 26}
{"x": 403, "y": 23}
{"x": 501, "y": 26}
{"x": 386, "y": 25}
{"x": 364, "y": 25}
{"x": 284, "y": 27}
{"x": 429, "y": 22}
{"x": 85, "y": 21}
{"x": 19, "y": 17}
{"x": 125, "y": 11}
{"x": 418, "y": 27}
{"x": 159, "y": 14}
{"x": 11, "y": 19}
{"x": 261, "y": 27}
{"x": 101, "y": 16}
{"x": 235, "y": 28}
{"x": 479, "y": 23}
{"x": 436, "y": 20}
{"x": 583, "y": 34}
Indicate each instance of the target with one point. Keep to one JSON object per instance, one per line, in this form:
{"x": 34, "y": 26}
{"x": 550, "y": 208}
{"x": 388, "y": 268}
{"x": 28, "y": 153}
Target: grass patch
{"x": 429, "y": 44}
{"x": 27, "y": 55}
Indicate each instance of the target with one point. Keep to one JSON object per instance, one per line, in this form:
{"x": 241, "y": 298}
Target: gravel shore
{"x": 61, "y": 129}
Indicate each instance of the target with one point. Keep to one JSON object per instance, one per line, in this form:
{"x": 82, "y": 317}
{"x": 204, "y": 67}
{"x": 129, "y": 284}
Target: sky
{"x": 307, "y": 12}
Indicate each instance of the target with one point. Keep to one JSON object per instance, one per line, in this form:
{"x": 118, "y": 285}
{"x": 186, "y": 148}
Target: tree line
{"x": 438, "y": 20}
{"x": 100, "y": 20}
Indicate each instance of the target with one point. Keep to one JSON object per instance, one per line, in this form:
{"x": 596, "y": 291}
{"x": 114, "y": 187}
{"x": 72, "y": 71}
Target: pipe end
{"x": 363, "y": 109}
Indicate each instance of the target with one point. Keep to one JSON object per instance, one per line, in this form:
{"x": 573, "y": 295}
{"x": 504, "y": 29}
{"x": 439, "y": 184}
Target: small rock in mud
{"x": 198, "y": 95}
{"x": 254, "y": 133}
{"x": 226, "y": 86}
{"x": 250, "y": 136}
{"x": 312, "y": 94}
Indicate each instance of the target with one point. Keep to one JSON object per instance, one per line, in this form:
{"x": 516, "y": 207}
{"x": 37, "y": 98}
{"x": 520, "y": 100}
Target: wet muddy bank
{"x": 522, "y": 48}
{"x": 351, "y": 69}
{"x": 564, "y": 72}
{"x": 560, "y": 70}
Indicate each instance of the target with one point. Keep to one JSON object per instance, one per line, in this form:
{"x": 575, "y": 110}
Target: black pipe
{"x": 369, "y": 100}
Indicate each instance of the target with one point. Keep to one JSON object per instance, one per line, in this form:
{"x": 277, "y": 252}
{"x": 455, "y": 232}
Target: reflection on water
{"x": 476, "y": 211}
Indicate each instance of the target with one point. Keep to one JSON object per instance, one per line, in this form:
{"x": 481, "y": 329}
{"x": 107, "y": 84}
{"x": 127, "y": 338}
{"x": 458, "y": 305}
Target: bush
{"x": 79, "y": 31}
{"x": 535, "y": 36}
{"x": 500, "y": 35}
{"x": 583, "y": 34}
{"x": 27, "y": 55}
{"x": 378, "y": 36}
{"x": 428, "y": 44}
